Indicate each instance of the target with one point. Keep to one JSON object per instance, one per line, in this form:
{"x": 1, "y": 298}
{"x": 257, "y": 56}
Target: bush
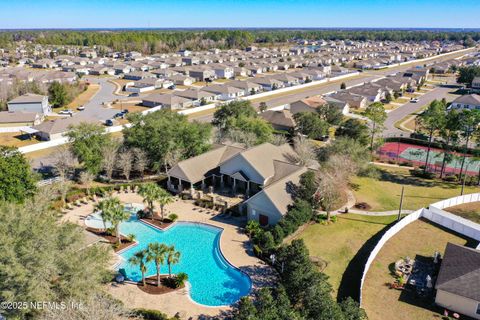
{"x": 180, "y": 279}
{"x": 148, "y": 314}
{"x": 173, "y": 217}
{"x": 131, "y": 237}
{"x": 450, "y": 178}
{"x": 257, "y": 251}
{"x": 419, "y": 173}
{"x": 143, "y": 214}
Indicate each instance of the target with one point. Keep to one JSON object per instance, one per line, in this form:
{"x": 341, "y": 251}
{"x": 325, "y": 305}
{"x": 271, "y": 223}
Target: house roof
{"x": 279, "y": 117}
{"x": 62, "y": 125}
{"x": 195, "y": 169}
{"x": 460, "y": 272}
{"x": 245, "y": 85}
{"x": 194, "y": 94}
{"x": 165, "y": 99}
{"x": 17, "y": 116}
{"x": 221, "y": 88}
{"x": 28, "y": 98}
{"x": 470, "y": 99}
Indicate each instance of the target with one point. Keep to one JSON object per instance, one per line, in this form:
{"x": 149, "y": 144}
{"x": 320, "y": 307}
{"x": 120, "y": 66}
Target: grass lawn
{"x": 419, "y": 238}
{"x": 336, "y": 244}
{"x": 130, "y": 107}
{"x": 383, "y": 194}
{"x": 470, "y": 211}
{"x": 84, "y": 97}
{"x": 15, "y": 139}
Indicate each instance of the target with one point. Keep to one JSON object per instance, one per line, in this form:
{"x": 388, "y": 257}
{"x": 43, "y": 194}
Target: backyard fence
{"x": 435, "y": 214}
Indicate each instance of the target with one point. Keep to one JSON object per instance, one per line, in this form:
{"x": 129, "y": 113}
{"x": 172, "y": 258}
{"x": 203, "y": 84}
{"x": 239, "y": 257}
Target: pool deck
{"x": 234, "y": 244}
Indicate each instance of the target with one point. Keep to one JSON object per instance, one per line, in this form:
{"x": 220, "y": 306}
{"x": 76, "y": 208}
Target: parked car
{"x": 172, "y": 87}
{"x": 109, "y": 122}
{"x": 81, "y": 108}
{"x": 66, "y": 111}
{"x": 414, "y": 100}
{"x": 118, "y": 115}
{"x": 125, "y": 111}
{"x": 135, "y": 94}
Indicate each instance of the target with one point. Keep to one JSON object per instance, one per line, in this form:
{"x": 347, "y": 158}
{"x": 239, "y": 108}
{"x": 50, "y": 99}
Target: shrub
{"x": 180, "y": 279}
{"x": 142, "y": 214}
{"x": 148, "y": 314}
{"x": 173, "y": 217}
{"x": 257, "y": 251}
{"x": 131, "y": 237}
{"x": 421, "y": 174}
{"x": 450, "y": 178}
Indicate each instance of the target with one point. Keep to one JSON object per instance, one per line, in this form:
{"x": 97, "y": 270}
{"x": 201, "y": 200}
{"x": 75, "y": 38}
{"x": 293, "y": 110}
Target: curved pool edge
{"x": 221, "y": 253}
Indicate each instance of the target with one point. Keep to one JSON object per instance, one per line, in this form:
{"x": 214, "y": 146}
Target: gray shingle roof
{"x": 460, "y": 272}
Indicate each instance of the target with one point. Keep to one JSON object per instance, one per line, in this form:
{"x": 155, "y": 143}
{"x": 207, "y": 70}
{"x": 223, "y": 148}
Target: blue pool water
{"x": 214, "y": 282}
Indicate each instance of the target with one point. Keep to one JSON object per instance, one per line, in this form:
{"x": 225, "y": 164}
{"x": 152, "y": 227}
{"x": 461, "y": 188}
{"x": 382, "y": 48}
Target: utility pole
{"x": 401, "y": 204}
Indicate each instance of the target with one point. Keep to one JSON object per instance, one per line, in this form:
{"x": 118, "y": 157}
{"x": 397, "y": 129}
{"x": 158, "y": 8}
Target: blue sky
{"x": 239, "y": 13}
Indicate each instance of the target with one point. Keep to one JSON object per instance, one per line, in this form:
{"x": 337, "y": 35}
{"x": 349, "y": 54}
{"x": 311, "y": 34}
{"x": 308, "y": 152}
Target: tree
{"x": 164, "y": 131}
{"x": 352, "y": 311}
{"x": 354, "y": 129}
{"x": 104, "y": 206}
{"x": 151, "y": 192}
{"x": 332, "y": 180}
{"x": 449, "y": 135}
{"x": 125, "y": 163}
{"x": 86, "y": 179}
{"x": 64, "y": 162}
{"x": 139, "y": 259}
{"x": 87, "y": 141}
{"x": 57, "y": 94}
{"x": 330, "y": 114}
{"x": 173, "y": 257}
{"x": 140, "y": 160}
{"x": 467, "y": 74}
{"x": 432, "y": 119}
{"x": 164, "y": 198}
{"x": 377, "y": 115}
{"x": 117, "y": 216}
{"x": 304, "y": 151}
{"x": 311, "y": 125}
{"x": 69, "y": 270}
{"x": 109, "y": 153}
{"x": 17, "y": 181}
{"x": 469, "y": 121}
{"x": 343, "y": 86}
{"x": 279, "y": 139}
{"x": 224, "y": 117}
{"x": 156, "y": 253}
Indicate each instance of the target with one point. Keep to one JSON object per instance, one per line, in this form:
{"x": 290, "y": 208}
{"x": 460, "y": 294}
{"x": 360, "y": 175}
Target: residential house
{"x": 201, "y": 73}
{"x": 166, "y": 101}
{"x": 198, "y": 97}
{"x": 311, "y": 104}
{"x": 55, "y": 129}
{"x": 353, "y": 100}
{"x": 180, "y": 79}
{"x": 468, "y": 101}
{"x": 248, "y": 87}
{"x": 19, "y": 119}
{"x": 279, "y": 119}
{"x": 476, "y": 84}
{"x": 268, "y": 83}
{"x": 225, "y": 92}
{"x": 458, "y": 281}
{"x": 30, "y": 102}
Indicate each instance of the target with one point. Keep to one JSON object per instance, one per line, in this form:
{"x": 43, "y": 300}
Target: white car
{"x": 66, "y": 111}
{"x": 414, "y": 100}
{"x": 80, "y": 108}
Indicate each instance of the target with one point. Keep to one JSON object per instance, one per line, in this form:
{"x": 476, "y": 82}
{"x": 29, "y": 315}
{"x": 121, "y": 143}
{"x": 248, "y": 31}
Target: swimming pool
{"x": 214, "y": 282}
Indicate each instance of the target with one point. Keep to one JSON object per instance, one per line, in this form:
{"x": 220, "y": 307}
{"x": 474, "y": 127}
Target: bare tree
{"x": 305, "y": 151}
{"x": 86, "y": 178}
{"x": 64, "y": 162}
{"x": 141, "y": 160}
{"x": 279, "y": 139}
{"x": 125, "y": 163}
{"x": 248, "y": 139}
{"x": 171, "y": 158}
{"x": 109, "y": 153}
{"x": 332, "y": 181}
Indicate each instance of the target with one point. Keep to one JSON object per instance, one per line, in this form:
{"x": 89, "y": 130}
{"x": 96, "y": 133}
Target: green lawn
{"x": 383, "y": 194}
{"x": 470, "y": 211}
{"x": 336, "y": 244}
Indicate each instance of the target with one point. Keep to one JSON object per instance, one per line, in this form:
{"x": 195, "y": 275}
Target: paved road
{"x": 438, "y": 93}
{"x": 95, "y": 108}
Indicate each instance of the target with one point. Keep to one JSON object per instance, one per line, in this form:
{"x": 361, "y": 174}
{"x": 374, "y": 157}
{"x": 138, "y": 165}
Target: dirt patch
{"x": 166, "y": 285}
{"x": 362, "y": 206}
{"x": 112, "y": 239}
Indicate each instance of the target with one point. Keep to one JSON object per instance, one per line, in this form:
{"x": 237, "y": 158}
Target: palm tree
{"x": 150, "y": 193}
{"x": 105, "y": 208}
{"x": 173, "y": 257}
{"x": 138, "y": 259}
{"x": 156, "y": 252}
{"x": 164, "y": 198}
{"x": 118, "y": 215}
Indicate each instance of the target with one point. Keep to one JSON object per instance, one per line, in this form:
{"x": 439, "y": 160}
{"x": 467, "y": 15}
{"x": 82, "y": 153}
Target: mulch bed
{"x": 112, "y": 239}
{"x": 151, "y": 287}
{"x": 362, "y": 206}
{"x": 158, "y": 222}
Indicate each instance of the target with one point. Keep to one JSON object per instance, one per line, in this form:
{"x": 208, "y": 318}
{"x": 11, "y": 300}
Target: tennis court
{"x": 404, "y": 153}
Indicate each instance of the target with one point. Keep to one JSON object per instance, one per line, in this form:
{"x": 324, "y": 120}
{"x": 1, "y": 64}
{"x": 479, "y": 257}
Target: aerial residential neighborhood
{"x": 239, "y": 160}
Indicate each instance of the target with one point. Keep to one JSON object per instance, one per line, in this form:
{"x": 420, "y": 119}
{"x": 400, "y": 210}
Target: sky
{"x": 16, "y": 14}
